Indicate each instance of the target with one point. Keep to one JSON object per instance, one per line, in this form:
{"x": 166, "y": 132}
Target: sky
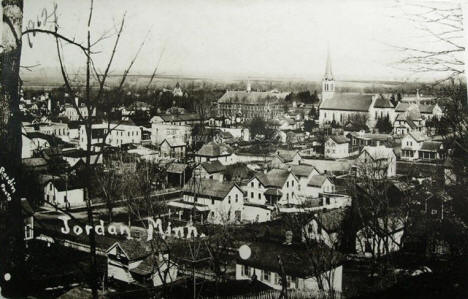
{"x": 247, "y": 38}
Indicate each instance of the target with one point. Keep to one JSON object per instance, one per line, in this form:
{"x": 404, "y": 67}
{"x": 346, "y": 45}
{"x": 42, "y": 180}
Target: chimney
{"x": 77, "y": 102}
{"x": 288, "y": 238}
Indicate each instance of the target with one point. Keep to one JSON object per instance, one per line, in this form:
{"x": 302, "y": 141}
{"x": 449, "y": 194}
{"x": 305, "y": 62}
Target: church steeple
{"x": 328, "y": 82}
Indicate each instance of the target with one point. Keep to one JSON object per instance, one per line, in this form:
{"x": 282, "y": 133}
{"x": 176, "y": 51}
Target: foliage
{"x": 384, "y": 125}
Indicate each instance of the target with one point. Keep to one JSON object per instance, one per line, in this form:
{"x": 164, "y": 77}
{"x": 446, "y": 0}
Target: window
{"x": 237, "y": 197}
{"x": 212, "y": 201}
{"x": 292, "y": 183}
{"x": 246, "y": 270}
{"x": 229, "y": 199}
{"x": 433, "y": 212}
{"x": 251, "y": 195}
{"x": 259, "y": 196}
{"x": 287, "y": 184}
{"x": 277, "y": 278}
{"x": 266, "y": 276}
{"x": 252, "y": 184}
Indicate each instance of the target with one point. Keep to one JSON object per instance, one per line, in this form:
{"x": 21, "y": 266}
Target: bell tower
{"x": 328, "y": 82}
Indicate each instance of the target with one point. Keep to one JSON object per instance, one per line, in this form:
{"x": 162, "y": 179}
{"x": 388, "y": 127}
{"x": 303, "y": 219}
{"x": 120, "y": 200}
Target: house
{"x": 431, "y": 151}
{"x": 329, "y": 167}
{"x": 303, "y": 173}
{"x": 165, "y": 126}
{"x": 376, "y": 162}
{"x": 337, "y": 147}
{"x": 73, "y": 113}
{"x": 326, "y": 227}
{"x": 407, "y": 118}
{"x": 138, "y": 262}
{"x": 216, "y": 202}
{"x": 361, "y": 139}
{"x": 177, "y": 174}
{"x": 297, "y": 262}
{"x": 73, "y": 156}
{"x": 427, "y": 110}
{"x": 285, "y": 157}
{"x": 28, "y": 218}
{"x": 215, "y": 151}
{"x": 319, "y": 184}
{"x": 123, "y": 132}
{"x": 213, "y": 170}
{"x": 380, "y": 239}
{"x": 173, "y": 148}
{"x": 64, "y": 193}
{"x": 279, "y": 186}
{"x": 410, "y": 145}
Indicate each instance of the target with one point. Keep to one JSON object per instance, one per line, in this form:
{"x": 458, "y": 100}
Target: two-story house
{"x": 376, "y": 162}
{"x": 337, "y": 147}
{"x": 64, "y": 193}
{"x": 222, "y": 202}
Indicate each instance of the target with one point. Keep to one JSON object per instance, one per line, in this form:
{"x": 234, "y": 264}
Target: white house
{"x": 213, "y": 170}
{"x": 135, "y": 261}
{"x": 72, "y": 113}
{"x": 376, "y": 162}
{"x": 303, "y": 173}
{"x": 222, "y": 201}
{"x": 165, "y": 126}
{"x": 326, "y": 227}
{"x": 173, "y": 148}
{"x": 337, "y": 147}
{"x": 215, "y": 151}
{"x": 298, "y": 267}
{"x": 410, "y": 145}
{"x": 115, "y": 134}
{"x": 384, "y": 238}
{"x": 63, "y": 193}
{"x": 28, "y": 219}
{"x": 319, "y": 184}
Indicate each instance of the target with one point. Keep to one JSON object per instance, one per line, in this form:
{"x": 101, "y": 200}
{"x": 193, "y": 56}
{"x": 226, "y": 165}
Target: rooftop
{"x": 348, "y": 101}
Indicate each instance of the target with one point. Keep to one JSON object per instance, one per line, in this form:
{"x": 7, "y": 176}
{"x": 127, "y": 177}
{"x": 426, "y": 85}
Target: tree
{"x": 358, "y": 122}
{"x": 384, "y": 125}
{"x": 13, "y": 253}
{"x": 309, "y": 125}
{"x": 442, "y": 26}
{"x": 257, "y": 126}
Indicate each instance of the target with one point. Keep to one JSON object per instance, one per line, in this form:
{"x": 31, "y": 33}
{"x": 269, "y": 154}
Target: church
{"x": 341, "y": 107}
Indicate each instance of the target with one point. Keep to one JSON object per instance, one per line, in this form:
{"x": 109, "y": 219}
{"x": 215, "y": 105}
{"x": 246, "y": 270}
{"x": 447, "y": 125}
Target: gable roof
{"x": 62, "y": 185}
{"x": 423, "y": 108}
{"x": 174, "y": 142}
{"x": 134, "y": 249}
{"x": 210, "y": 188}
{"x": 382, "y": 102}
{"x": 378, "y": 152}
{"x": 348, "y": 102}
{"x": 212, "y": 149}
{"x": 213, "y": 166}
{"x": 302, "y": 170}
{"x": 176, "y": 168}
{"x": 340, "y": 139}
{"x": 262, "y": 178}
{"x": 286, "y": 155}
{"x": 323, "y": 165}
{"x": 417, "y": 136}
{"x": 317, "y": 180}
{"x": 277, "y": 177}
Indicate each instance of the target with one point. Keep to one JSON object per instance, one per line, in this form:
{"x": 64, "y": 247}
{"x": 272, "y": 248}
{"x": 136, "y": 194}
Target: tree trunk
{"x": 12, "y": 255}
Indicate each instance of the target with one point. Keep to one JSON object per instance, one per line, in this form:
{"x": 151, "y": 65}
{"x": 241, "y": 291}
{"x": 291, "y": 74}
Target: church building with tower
{"x": 340, "y": 107}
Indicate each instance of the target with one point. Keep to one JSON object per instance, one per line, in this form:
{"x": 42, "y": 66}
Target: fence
{"x": 275, "y": 294}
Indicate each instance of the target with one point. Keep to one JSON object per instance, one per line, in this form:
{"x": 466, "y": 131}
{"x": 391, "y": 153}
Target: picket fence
{"x": 275, "y": 294}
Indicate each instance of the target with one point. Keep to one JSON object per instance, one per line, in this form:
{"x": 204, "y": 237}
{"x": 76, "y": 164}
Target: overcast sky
{"x": 273, "y": 38}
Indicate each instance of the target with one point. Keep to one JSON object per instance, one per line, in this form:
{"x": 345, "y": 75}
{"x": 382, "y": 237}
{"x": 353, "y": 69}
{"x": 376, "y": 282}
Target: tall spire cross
{"x": 328, "y": 69}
